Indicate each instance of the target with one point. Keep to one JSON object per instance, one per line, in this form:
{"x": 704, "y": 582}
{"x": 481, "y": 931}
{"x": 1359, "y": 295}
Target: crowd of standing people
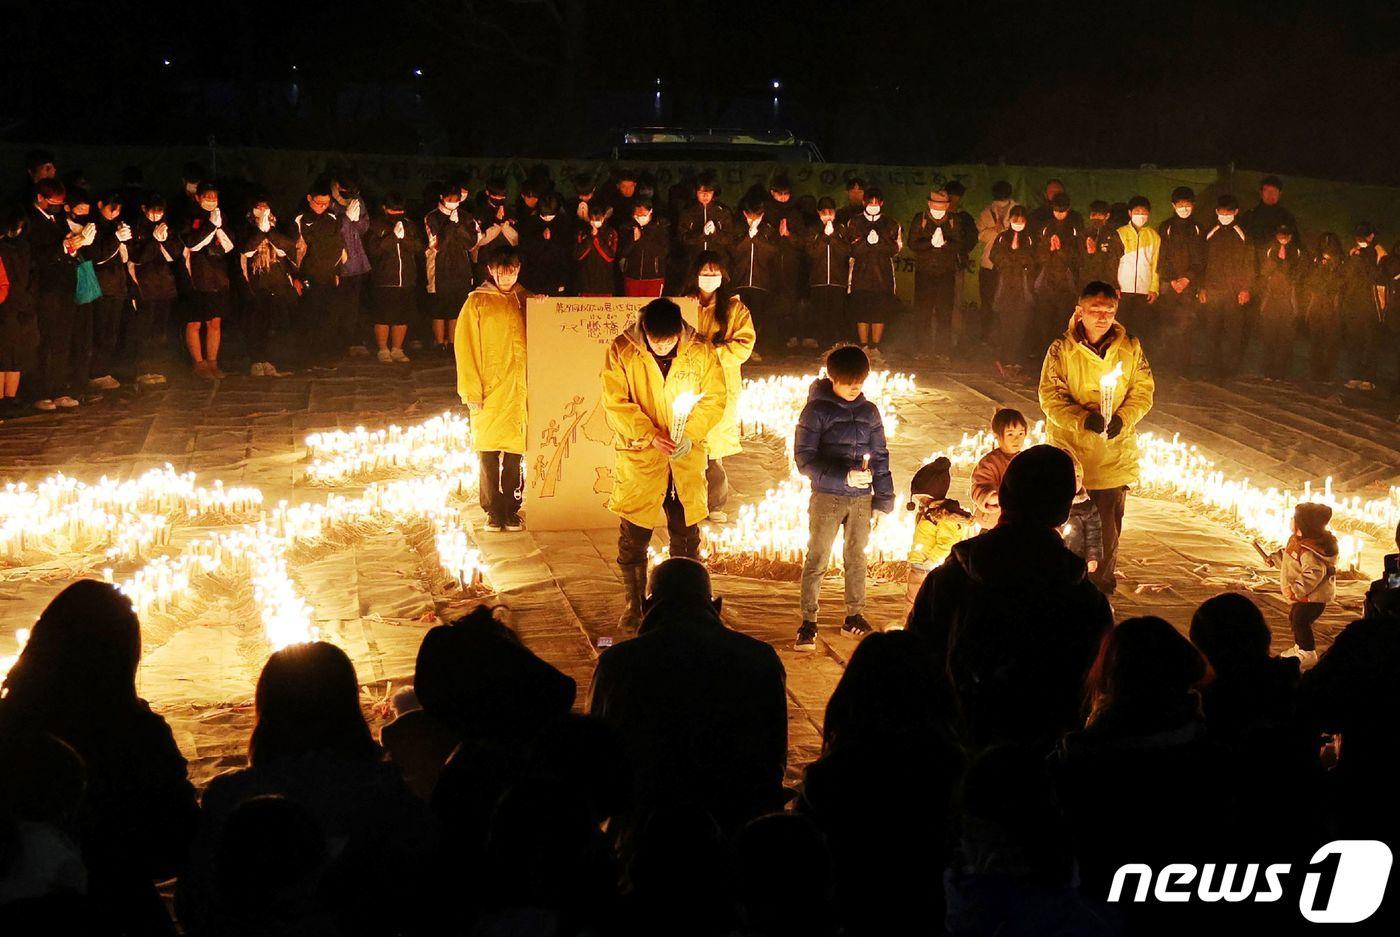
{"x": 98, "y": 283}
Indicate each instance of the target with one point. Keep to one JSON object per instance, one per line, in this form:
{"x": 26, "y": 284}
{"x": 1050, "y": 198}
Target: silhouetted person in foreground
{"x": 1013, "y": 613}
{"x": 889, "y": 721}
{"x": 311, "y": 745}
{"x": 700, "y": 709}
{"x": 76, "y": 680}
{"x": 1136, "y": 781}
{"x": 271, "y": 870}
{"x": 783, "y": 879}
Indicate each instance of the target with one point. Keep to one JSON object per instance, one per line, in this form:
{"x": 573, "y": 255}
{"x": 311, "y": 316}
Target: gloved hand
{"x": 873, "y": 237}
{"x": 398, "y": 230}
{"x": 682, "y": 448}
{"x": 1115, "y": 426}
{"x": 709, "y": 227}
{"x": 1093, "y": 422}
{"x": 859, "y": 478}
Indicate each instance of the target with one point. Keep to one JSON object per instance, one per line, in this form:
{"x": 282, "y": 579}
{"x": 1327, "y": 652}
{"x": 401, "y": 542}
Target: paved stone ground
{"x": 563, "y": 588}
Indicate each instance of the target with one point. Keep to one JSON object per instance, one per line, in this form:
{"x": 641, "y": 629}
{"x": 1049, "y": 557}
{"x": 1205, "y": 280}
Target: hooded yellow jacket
{"x": 1069, "y": 387}
{"x": 638, "y": 401}
{"x": 733, "y": 349}
{"x": 490, "y": 347}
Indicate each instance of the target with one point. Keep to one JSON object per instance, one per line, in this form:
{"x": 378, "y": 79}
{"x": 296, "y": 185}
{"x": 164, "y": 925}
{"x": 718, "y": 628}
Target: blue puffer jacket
{"x": 833, "y": 436}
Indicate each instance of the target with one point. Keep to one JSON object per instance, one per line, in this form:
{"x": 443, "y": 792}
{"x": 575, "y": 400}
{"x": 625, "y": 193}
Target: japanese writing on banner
{"x": 569, "y": 445}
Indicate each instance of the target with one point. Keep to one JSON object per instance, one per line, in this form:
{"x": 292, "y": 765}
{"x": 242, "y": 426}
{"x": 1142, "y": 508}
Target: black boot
{"x": 634, "y": 581}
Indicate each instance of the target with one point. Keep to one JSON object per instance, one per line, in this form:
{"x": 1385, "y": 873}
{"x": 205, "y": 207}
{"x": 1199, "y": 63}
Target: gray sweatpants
{"x": 826, "y": 514}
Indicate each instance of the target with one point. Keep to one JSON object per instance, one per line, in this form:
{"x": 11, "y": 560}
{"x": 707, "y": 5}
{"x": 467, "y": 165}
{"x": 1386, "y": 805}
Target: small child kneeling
{"x": 939, "y": 524}
{"x": 1308, "y": 576}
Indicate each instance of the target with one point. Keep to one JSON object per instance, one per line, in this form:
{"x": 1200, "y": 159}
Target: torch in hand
{"x": 680, "y": 413}
{"x": 1108, "y": 386}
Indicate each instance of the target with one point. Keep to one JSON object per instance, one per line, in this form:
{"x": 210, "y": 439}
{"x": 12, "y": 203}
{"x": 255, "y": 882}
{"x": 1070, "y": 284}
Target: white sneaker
{"x": 398, "y": 356}
{"x": 46, "y": 404}
{"x": 793, "y": 342}
{"x": 385, "y": 356}
{"x": 259, "y": 369}
{"x": 718, "y": 517}
{"x": 105, "y": 382}
{"x": 66, "y": 402}
{"x": 1306, "y": 659}
{"x": 809, "y": 343}
{"x": 151, "y": 380}
{"x": 270, "y": 370}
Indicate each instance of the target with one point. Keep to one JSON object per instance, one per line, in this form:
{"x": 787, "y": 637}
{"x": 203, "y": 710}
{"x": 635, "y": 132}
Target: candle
{"x": 1108, "y": 384}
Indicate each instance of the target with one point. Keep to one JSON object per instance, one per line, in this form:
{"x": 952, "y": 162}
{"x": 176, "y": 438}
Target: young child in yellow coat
{"x": 940, "y": 523}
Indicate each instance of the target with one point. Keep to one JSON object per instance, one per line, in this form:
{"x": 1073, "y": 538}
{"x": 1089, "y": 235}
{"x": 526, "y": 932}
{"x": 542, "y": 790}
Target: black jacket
{"x": 1059, "y": 269}
{"x": 1278, "y": 281}
{"x": 450, "y": 269}
{"x": 206, "y": 256}
{"x": 55, "y": 270}
{"x": 690, "y": 228}
{"x": 1229, "y": 261}
{"x": 393, "y": 260}
{"x": 1018, "y": 621}
{"x": 1102, "y": 262}
{"x": 753, "y": 260}
{"x": 947, "y": 257}
{"x": 325, "y": 246}
{"x": 19, "y": 301}
{"x": 546, "y": 264}
{"x": 109, "y": 257}
{"x": 266, "y": 258}
{"x": 152, "y": 260}
{"x": 787, "y": 268}
{"x": 1262, "y": 222}
{"x": 828, "y": 257}
{"x": 1183, "y": 252}
{"x": 644, "y": 257}
{"x": 1360, "y": 275}
{"x": 872, "y": 265}
{"x": 701, "y": 713}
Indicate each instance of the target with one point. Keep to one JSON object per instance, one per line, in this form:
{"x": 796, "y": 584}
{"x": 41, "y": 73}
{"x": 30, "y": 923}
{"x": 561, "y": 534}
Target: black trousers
{"x": 106, "y": 329}
{"x": 57, "y": 314}
{"x": 148, "y": 335}
{"x": 1110, "y": 502}
{"x": 502, "y": 484}
{"x": 826, "y": 319}
{"x": 632, "y": 540}
{"x": 263, "y": 312}
{"x": 986, "y": 299}
{"x": 1301, "y": 616}
{"x": 348, "y": 301}
{"x": 759, "y": 302}
{"x": 933, "y": 305}
{"x": 1225, "y": 328}
{"x": 319, "y": 331}
{"x": 1176, "y": 315}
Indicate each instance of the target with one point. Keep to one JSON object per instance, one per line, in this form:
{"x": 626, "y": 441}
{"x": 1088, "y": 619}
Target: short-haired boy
{"x": 840, "y": 446}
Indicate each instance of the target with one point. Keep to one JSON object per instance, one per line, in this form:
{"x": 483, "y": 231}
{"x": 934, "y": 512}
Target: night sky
{"x": 1290, "y": 87}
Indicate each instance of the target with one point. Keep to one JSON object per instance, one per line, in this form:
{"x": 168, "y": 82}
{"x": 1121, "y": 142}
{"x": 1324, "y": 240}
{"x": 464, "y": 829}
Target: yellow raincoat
{"x": 638, "y": 404}
{"x": 733, "y": 350}
{"x": 1069, "y": 380}
{"x": 490, "y": 347}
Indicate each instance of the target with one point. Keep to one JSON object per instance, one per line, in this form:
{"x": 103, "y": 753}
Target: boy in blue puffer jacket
{"x": 840, "y": 446}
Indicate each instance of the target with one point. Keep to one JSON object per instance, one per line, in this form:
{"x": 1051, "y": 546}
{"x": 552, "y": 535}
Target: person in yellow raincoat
{"x": 1071, "y": 390}
{"x": 646, "y": 368}
{"x": 725, "y": 324}
{"x": 939, "y": 523}
{"x": 490, "y": 352}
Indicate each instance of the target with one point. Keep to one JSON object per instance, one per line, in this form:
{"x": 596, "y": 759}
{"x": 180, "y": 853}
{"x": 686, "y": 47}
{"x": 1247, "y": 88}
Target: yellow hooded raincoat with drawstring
{"x": 733, "y": 348}
{"x": 490, "y": 350}
{"x": 638, "y": 401}
{"x": 1069, "y": 383}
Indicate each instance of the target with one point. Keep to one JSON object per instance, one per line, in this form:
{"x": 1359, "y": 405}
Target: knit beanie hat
{"x": 932, "y": 480}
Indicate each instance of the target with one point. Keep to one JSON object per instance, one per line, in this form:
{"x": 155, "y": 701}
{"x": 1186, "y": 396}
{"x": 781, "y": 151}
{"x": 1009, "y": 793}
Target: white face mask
{"x": 644, "y": 220}
{"x": 1226, "y": 220}
{"x": 1361, "y": 243}
{"x": 546, "y": 218}
{"x": 1183, "y": 211}
{"x": 938, "y": 213}
{"x": 451, "y": 206}
{"x": 1018, "y": 226}
{"x": 1139, "y": 220}
{"x": 596, "y": 224}
{"x": 873, "y": 211}
{"x": 709, "y": 282}
{"x": 504, "y": 281}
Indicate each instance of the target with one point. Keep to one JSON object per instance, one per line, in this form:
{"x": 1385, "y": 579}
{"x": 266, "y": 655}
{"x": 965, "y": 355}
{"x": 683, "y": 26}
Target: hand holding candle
{"x": 1108, "y": 386}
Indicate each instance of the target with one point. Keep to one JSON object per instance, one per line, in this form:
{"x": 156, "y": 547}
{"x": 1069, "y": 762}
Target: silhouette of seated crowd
{"x": 984, "y": 771}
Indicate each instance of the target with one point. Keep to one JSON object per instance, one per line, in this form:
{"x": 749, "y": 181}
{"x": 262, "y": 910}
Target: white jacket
{"x": 995, "y": 218}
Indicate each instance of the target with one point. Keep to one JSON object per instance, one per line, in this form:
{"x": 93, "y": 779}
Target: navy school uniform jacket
{"x": 393, "y": 260}
{"x": 690, "y": 228}
{"x": 947, "y": 257}
{"x": 547, "y": 262}
{"x": 206, "y": 258}
{"x": 449, "y": 269}
{"x": 872, "y": 265}
{"x": 1229, "y": 261}
{"x": 1183, "y": 251}
{"x": 325, "y": 246}
{"x": 828, "y": 257}
{"x": 151, "y": 260}
{"x": 644, "y": 257}
{"x": 753, "y": 258}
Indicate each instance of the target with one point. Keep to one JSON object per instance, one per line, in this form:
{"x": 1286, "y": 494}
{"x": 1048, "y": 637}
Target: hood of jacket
{"x": 822, "y": 389}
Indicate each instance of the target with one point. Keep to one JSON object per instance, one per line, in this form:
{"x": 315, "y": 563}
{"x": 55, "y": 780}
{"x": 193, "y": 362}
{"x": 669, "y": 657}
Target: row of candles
{"x": 339, "y": 456}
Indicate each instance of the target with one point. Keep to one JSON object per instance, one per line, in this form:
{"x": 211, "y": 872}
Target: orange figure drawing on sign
{"x": 558, "y": 438}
